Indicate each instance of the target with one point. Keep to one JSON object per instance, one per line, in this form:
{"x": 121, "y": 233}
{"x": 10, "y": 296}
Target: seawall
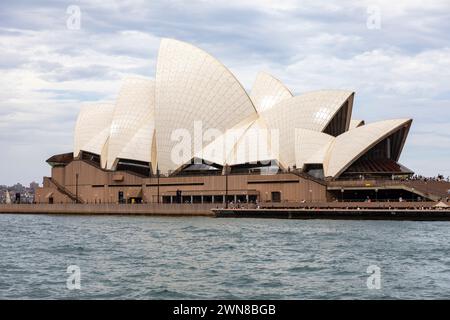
{"x": 338, "y": 214}
{"x": 150, "y": 209}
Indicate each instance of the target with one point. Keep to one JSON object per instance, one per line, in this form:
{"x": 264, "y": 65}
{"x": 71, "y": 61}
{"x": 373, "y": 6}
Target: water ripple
{"x": 198, "y": 258}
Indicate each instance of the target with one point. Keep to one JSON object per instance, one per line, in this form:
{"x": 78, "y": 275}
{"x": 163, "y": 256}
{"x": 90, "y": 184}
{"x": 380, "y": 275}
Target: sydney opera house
{"x": 194, "y": 134}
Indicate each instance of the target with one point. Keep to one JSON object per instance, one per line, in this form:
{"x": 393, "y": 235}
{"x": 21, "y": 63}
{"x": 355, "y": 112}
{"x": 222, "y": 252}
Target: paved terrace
{"x": 433, "y": 190}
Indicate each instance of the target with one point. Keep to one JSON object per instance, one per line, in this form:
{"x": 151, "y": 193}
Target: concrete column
{"x": 192, "y": 199}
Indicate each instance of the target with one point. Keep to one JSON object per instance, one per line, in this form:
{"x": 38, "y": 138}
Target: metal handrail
{"x": 64, "y": 190}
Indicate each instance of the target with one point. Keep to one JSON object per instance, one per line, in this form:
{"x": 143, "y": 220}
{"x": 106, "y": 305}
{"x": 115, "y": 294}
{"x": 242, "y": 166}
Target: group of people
{"x": 438, "y": 177}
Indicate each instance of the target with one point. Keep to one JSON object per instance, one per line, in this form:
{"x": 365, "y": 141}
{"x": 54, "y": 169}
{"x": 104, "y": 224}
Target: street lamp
{"x": 157, "y": 178}
{"x": 226, "y": 186}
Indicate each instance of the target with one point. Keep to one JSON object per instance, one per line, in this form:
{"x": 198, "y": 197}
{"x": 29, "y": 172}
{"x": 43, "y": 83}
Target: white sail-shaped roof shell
{"x": 258, "y": 143}
{"x": 267, "y": 91}
{"x": 221, "y": 148}
{"x": 311, "y": 147}
{"x": 248, "y": 142}
{"x": 351, "y": 145}
{"x": 192, "y": 86}
{"x": 132, "y": 126}
{"x": 140, "y": 146}
{"x": 92, "y": 127}
{"x": 312, "y": 111}
{"x": 196, "y": 94}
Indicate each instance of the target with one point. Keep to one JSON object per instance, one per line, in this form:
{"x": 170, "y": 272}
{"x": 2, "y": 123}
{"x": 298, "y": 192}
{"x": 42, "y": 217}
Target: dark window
{"x": 139, "y": 167}
{"x": 315, "y": 170}
{"x": 230, "y": 198}
{"x": 276, "y": 196}
{"x": 178, "y": 197}
{"x": 91, "y": 157}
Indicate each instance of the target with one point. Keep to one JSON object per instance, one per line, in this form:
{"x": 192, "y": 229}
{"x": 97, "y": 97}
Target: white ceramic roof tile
{"x": 311, "y": 146}
{"x": 139, "y": 147}
{"x": 221, "y": 147}
{"x": 92, "y": 127}
{"x": 247, "y": 142}
{"x": 312, "y": 111}
{"x": 254, "y": 145}
{"x": 267, "y": 91}
{"x": 133, "y": 122}
{"x": 349, "y": 146}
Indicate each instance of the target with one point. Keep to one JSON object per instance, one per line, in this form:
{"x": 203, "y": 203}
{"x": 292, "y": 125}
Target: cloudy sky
{"x": 394, "y": 54}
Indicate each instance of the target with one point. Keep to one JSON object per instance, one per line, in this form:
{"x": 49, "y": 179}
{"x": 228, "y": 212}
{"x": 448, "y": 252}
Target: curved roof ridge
{"x": 193, "y": 86}
{"x": 92, "y": 126}
{"x": 241, "y": 128}
{"x": 254, "y": 125}
{"x": 217, "y": 60}
{"x": 267, "y": 91}
{"x": 311, "y": 146}
{"x": 312, "y": 111}
{"x": 134, "y": 109}
{"x": 351, "y": 145}
{"x": 279, "y": 81}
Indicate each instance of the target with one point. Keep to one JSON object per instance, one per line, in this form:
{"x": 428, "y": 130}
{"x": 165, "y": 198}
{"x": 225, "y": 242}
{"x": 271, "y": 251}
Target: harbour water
{"x": 131, "y": 257}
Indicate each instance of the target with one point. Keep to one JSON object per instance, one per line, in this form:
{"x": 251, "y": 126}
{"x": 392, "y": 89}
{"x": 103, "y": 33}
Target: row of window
{"x": 209, "y": 199}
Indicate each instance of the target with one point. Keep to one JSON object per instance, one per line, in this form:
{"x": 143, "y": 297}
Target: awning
{"x": 134, "y": 192}
{"x": 49, "y": 195}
